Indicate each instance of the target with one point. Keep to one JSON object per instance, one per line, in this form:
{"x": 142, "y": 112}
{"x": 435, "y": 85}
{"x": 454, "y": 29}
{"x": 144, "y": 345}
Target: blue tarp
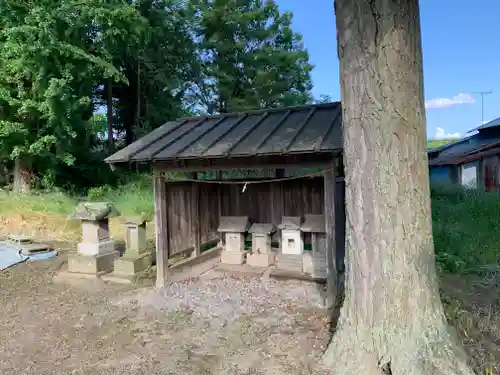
{"x": 10, "y": 255}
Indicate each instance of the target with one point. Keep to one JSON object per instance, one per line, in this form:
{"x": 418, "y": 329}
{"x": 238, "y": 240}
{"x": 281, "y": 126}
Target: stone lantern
{"x": 233, "y": 229}
{"x": 96, "y": 251}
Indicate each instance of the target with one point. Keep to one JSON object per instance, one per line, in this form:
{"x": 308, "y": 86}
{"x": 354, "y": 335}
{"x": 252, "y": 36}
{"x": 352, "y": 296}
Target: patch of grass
{"x": 466, "y": 229}
{"x": 44, "y": 214}
{"x": 467, "y": 241}
{"x": 431, "y": 143}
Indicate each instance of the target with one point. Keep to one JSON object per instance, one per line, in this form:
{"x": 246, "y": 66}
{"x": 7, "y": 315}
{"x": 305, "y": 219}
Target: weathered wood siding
{"x": 263, "y": 202}
{"x": 490, "y": 173}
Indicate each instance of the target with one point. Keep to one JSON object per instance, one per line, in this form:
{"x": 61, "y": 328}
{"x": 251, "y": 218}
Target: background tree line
{"x": 80, "y": 79}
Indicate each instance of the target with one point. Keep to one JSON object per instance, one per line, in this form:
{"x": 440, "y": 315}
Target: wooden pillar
{"x": 161, "y": 226}
{"x": 218, "y": 177}
{"x": 195, "y": 216}
{"x": 331, "y": 248}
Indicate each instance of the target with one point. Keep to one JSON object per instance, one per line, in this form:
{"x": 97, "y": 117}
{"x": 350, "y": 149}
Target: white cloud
{"x": 449, "y": 102}
{"x": 441, "y": 134}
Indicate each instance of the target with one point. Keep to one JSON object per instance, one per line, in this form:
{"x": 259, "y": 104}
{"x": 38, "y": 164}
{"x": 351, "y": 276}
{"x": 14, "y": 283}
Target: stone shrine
{"x": 96, "y": 252}
{"x": 233, "y": 229}
{"x": 292, "y": 244}
{"x": 261, "y": 255}
{"x": 314, "y": 262}
{"x": 291, "y": 236}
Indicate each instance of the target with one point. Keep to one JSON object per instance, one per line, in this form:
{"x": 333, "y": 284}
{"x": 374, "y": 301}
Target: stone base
{"x": 129, "y": 265}
{"x": 93, "y": 249}
{"x": 260, "y": 260}
{"x": 232, "y": 257}
{"x": 290, "y": 262}
{"x": 314, "y": 265}
{"x": 92, "y": 264}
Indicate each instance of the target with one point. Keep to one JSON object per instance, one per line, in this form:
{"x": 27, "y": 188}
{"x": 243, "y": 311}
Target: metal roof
{"x": 474, "y": 152}
{"x": 492, "y": 124}
{"x": 304, "y": 129}
{"x": 448, "y": 145}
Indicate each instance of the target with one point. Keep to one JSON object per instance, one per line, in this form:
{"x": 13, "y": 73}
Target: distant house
{"x": 472, "y": 161}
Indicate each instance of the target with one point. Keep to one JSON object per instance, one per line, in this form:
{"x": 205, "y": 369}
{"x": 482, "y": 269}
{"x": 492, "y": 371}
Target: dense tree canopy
{"x": 139, "y": 63}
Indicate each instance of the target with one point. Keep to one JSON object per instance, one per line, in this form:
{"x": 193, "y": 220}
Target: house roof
{"x": 450, "y": 144}
{"x": 475, "y": 152}
{"x": 294, "y": 130}
{"x": 491, "y": 124}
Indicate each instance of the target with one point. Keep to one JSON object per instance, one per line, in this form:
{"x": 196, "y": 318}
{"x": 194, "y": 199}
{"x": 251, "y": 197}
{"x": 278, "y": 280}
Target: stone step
{"x": 290, "y": 262}
{"x": 19, "y": 239}
{"x": 31, "y": 248}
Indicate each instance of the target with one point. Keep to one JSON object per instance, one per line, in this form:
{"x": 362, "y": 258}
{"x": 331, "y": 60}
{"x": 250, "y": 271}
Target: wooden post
{"x": 162, "y": 234}
{"x": 218, "y": 177}
{"x": 195, "y": 216}
{"x": 331, "y": 248}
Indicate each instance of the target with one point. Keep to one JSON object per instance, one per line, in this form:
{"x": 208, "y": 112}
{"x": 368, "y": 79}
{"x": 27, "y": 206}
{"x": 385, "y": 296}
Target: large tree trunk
{"x": 392, "y": 320}
{"x": 23, "y": 176}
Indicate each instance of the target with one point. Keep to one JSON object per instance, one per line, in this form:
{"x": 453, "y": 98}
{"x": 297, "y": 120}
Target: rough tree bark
{"x": 392, "y": 320}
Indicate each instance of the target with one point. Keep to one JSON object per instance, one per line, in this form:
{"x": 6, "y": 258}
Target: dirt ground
{"x": 223, "y": 325}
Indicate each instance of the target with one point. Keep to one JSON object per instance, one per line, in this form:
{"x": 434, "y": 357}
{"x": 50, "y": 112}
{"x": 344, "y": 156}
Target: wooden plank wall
{"x": 264, "y": 203}
{"x": 490, "y": 178}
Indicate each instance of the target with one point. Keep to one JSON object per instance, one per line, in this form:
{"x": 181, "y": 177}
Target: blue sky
{"x": 461, "y": 56}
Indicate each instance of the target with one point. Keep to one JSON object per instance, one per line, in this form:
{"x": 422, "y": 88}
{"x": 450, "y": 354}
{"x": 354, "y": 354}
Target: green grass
{"x": 431, "y": 143}
{"x": 466, "y": 227}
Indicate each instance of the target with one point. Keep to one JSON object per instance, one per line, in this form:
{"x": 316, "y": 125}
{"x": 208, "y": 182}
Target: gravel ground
{"x": 221, "y": 326}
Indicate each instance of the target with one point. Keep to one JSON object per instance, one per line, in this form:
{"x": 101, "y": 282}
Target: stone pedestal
{"x": 129, "y": 265}
{"x": 260, "y": 260}
{"x": 290, "y": 262}
{"x": 96, "y": 264}
{"x": 232, "y": 257}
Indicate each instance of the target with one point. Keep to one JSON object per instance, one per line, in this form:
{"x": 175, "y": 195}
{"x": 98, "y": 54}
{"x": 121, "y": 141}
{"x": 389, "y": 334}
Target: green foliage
{"x": 465, "y": 225}
{"x": 148, "y": 61}
{"x": 250, "y": 56}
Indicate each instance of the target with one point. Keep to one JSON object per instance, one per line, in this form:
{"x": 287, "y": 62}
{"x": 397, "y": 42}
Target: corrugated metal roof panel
{"x": 285, "y": 132}
{"x": 312, "y": 128}
{"x": 234, "y": 136}
{"x": 491, "y": 124}
{"x": 166, "y": 142}
{"x": 144, "y": 142}
{"x": 311, "y": 137}
{"x": 208, "y": 139}
{"x": 197, "y": 132}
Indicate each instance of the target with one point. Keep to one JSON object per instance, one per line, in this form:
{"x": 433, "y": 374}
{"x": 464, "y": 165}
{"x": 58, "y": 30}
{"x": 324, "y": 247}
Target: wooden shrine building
{"x": 187, "y": 213}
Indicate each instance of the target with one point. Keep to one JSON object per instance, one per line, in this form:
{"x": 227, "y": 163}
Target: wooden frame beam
{"x": 265, "y": 162}
{"x": 195, "y": 216}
